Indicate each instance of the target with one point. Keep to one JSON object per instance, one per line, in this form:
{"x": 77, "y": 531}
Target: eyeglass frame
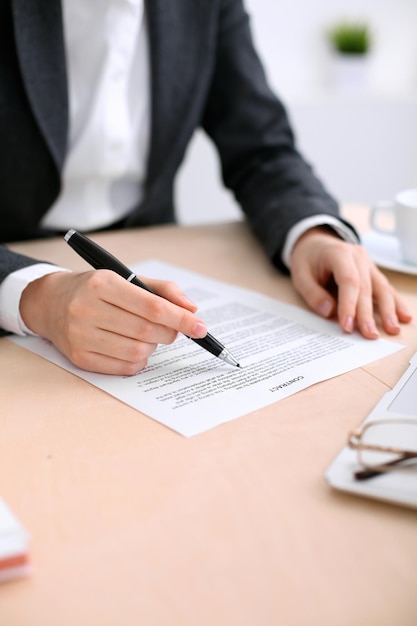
{"x": 395, "y": 464}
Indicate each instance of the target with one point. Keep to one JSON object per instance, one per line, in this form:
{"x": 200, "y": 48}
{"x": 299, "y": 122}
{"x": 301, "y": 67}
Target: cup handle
{"x": 387, "y": 209}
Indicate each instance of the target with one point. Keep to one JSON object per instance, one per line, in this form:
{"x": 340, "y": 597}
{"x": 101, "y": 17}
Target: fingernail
{"x": 372, "y": 329}
{"x": 199, "y": 330}
{"x": 405, "y": 313}
{"x": 188, "y": 301}
{"x": 325, "y": 308}
{"x": 393, "y": 322}
{"x": 348, "y": 324}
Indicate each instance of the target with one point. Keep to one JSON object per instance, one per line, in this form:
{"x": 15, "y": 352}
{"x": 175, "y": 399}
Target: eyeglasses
{"x": 384, "y": 446}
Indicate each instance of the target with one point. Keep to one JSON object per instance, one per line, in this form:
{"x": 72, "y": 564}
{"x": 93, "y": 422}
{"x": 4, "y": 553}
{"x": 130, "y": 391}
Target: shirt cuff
{"x": 11, "y": 290}
{"x": 301, "y": 227}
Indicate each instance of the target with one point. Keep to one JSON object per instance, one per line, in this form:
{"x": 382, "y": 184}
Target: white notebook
{"x": 397, "y": 487}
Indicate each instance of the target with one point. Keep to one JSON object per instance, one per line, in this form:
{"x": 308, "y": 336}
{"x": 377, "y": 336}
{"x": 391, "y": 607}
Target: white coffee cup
{"x": 402, "y": 214}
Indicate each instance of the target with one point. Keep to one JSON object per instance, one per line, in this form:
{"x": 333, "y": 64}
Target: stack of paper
{"x": 14, "y": 540}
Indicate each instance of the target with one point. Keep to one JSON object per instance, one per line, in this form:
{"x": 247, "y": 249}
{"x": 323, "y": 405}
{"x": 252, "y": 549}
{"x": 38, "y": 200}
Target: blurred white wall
{"x": 363, "y": 145}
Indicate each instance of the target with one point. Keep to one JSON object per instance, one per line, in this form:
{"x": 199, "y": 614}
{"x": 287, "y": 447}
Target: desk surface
{"x": 133, "y": 524}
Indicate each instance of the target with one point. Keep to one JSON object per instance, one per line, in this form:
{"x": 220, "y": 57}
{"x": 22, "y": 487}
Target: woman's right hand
{"x": 103, "y": 323}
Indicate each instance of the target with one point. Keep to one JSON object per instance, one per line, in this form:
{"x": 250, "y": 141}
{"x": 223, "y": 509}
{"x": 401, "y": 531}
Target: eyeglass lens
{"x": 398, "y": 436}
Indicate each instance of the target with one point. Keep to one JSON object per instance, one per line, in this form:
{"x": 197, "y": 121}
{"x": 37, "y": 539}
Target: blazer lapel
{"x": 40, "y": 46}
{"x": 175, "y": 51}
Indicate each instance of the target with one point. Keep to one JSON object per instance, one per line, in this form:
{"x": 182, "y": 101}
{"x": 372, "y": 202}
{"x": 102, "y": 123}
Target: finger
{"x": 365, "y": 281}
{"x": 365, "y": 320}
{"x": 310, "y": 289}
{"x": 172, "y": 292}
{"x": 347, "y": 279}
{"x": 122, "y": 323}
{"x": 114, "y": 367}
{"x": 403, "y": 312}
{"x": 108, "y": 352}
{"x": 351, "y": 273}
{"x": 391, "y": 307}
{"x": 118, "y": 292}
{"x": 164, "y": 313}
{"x": 387, "y": 309}
{"x": 104, "y": 364}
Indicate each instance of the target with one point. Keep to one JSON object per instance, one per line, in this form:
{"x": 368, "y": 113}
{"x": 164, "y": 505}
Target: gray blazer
{"x": 205, "y": 72}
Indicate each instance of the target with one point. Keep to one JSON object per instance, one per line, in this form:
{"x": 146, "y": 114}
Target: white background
{"x": 363, "y": 144}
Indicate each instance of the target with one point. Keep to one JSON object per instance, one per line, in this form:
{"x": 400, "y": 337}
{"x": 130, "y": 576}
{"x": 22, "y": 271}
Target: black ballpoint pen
{"x": 99, "y": 258}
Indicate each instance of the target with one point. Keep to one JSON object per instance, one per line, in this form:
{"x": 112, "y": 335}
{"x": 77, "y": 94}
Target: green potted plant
{"x": 352, "y": 38}
{"x": 350, "y": 42}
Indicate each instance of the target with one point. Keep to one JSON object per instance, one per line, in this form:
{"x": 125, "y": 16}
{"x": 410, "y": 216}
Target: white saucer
{"x": 385, "y": 251}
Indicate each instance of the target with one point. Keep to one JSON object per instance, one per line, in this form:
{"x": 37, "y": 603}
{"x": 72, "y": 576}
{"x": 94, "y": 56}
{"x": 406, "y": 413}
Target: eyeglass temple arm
{"x": 365, "y": 474}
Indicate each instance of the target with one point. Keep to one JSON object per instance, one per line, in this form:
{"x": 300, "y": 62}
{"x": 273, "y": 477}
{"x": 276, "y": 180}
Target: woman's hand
{"x": 338, "y": 278}
{"x": 103, "y": 323}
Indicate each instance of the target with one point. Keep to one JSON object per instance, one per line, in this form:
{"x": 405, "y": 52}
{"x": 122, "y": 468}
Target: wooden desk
{"x": 134, "y": 525}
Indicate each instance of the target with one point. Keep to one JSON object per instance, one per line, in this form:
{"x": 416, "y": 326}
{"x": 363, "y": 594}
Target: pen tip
{"x": 228, "y": 358}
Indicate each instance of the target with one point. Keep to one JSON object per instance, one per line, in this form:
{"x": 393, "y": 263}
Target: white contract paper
{"x": 281, "y": 348}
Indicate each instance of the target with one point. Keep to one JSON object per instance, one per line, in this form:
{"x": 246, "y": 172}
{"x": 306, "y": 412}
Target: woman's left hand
{"x": 338, "y": 278}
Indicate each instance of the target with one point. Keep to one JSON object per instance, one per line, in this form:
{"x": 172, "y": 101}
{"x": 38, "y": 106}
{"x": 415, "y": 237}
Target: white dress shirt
{"x": 108, "y": 68}
{"x": 107, "y": 54}
{"x": 109, "y": 98}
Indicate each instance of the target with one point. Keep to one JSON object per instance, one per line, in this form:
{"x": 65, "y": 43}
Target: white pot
{"x": 351, "y": 72}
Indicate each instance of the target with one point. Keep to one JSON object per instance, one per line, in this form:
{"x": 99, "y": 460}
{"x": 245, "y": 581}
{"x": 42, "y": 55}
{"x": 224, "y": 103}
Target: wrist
{"x": 317, "y": 232}
{"x": 36, "y": 299}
